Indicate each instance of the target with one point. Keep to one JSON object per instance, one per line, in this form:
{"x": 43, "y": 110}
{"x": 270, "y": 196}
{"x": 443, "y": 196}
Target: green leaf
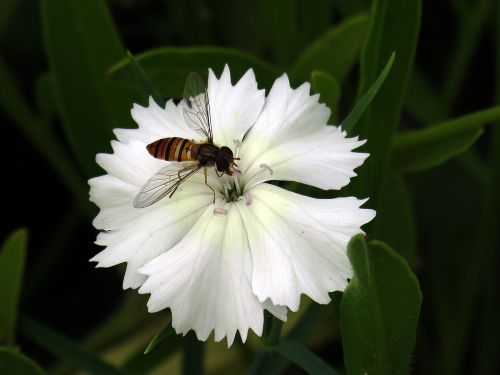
{"x": 394, "y": 27}
{"x": 81, "y": 44}
{"x": 353, "y": 117}
{"x": 12, "y": 258}
{"x": 379, "y": 310}
{"x": 396, "y": 220}
{"x": 334, "y": 53}
{"x": 329, "y": 89}
{"x": 168, "y": 68}
{"x": 279, "y": 19}
{"x": 422, "y": 149}
{"x": 166, "y": 332}
{"x": 143, "y": 364}
{"x": 267, "y": 363}
{"x": 303, "y": 358}
{"x": 65, "y": 349}
{"x": 143, "y": 81}
{"x": 15, "y": 363}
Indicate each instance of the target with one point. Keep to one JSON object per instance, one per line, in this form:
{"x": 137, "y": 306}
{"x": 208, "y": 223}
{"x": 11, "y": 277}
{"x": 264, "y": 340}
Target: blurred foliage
{"x": 433, "y": 176}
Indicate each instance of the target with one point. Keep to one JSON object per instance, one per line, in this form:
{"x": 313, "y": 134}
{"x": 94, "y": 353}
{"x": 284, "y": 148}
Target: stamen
{"x": 249, "y": 198}
{"x": 220, "y": 211}
{"x": 226, "y": 187}
{"x": 237, "y": 143}
{"x": 267, "y": 168}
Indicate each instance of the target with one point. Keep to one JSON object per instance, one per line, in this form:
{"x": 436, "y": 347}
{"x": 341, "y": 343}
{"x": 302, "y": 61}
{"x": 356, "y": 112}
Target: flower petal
{"x": 291, "y": 136}
{"x": 136, "y": 235}
{"x": 298, "y": 244}
{"x": 140, "y": 235}
{"x": 206, "y": 280}
{"x": 234, "y": 109}
{"x": 156, "y": 122}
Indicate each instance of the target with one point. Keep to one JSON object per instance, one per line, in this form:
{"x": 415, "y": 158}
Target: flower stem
{"x": 192, "y": 362}
{"x": 272, "y": 330}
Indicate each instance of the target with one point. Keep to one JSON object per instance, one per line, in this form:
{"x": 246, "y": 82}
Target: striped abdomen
{"x": 173, "y": 149}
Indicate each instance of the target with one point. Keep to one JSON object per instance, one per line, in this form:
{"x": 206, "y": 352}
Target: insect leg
{"x": 206, "y": 182}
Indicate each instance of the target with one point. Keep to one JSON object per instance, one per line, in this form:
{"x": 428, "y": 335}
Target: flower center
{"x": 232, "y": 190}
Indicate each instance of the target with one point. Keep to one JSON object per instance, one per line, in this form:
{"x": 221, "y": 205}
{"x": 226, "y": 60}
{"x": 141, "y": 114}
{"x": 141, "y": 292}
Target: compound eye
{"x": 222, "y": 164}
{"x": 226, "y": 151}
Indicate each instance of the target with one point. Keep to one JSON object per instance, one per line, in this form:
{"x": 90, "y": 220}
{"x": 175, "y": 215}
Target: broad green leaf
{"x": 395, "y": 219}
{"x": 379, "y": 310}
{"x": 394, "y": 27}
{"x": 168, "y": 68}
{"x": 279, "y": 19}
{"x": 314, "y": 18}
{"x": 65, "y": 349}
{"x": 12, "y": 258}
{"x": 81, "y": 44}
{"x": 166, "y": 332}
{"x": 15, "y": 363}
{"x": 329, "y": 89}
{"x": 334, "y": 53}
{"x": 303, "y": 358}
{"x": 421, "y": 149}
{"x": 143, "y": 81}
{"x": 353, "y": 117}
{"x": 348, "y": 8}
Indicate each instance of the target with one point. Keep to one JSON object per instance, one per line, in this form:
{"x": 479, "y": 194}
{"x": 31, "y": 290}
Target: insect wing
{"x": 164, "y": 182}
{"x": 196, "y": 107}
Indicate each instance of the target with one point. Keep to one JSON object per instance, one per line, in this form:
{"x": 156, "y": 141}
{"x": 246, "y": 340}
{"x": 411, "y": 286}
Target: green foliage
{"x": 12, "y": 258}
{"x": 143, "y": 81}
{"x": 82, "y": 45}
{"x": 425, "y": 148}
{"x": 303, "y": 358}
{"x": 192, "y": 361}
{"x": 379, "y": 310}
{"x": 329, "y": 89}
{"x": 165, "y": 333}
{"x": 394, "y": 27}
{"x": 168, "y": 68}
{"x": 15, "y": 363}
{"x": 396, "y": 219}
{"x": 353, "y": 117}
{"x": 334, "y": 53}
{"x": 65, "y": 349}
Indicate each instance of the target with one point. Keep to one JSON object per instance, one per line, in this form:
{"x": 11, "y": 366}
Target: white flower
{"x": 217, "y": 267}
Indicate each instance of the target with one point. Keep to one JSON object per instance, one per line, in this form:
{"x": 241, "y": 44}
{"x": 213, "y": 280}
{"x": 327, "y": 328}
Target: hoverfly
{"x": 196, "y": 111}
